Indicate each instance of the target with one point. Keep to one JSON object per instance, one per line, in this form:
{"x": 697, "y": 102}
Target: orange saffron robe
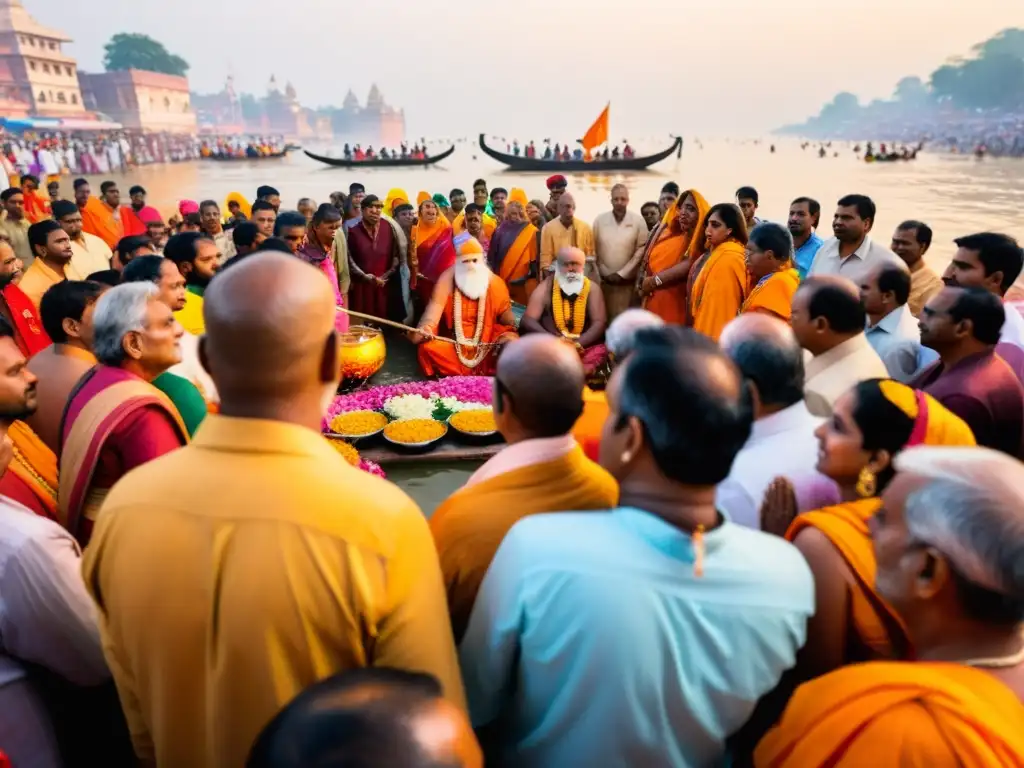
{"x": 98, "y": 219}
{"x": 590, "y": 424}
{"x": 668, "y": 303}
{"x": 846, "y": 526}
{"x": 898, "y": 715}
{"x": 773, "y": 294}
{"x": 470, "y": 525}
{"x": 719, "y": 289}
{"x": 439, "y": 358}
{"x": 515, "y": 266}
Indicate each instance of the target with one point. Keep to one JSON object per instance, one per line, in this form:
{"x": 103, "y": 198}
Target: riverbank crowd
{"x": 761, "y": 500}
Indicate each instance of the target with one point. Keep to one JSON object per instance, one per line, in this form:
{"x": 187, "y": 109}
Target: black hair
{"x": 474, "y": 208}
{"x": 983, "y": 309}
{"x": 649, "y": 204}
{"x": 883, "y": 425}
{"x": 263, "y": 192}
{"x": 895, "y": 280}
{"x": 289, "y": 220}
{"x": 30, "y": 177}
{"x": 922, "y": 232}
{"x": 80, "y": 183}
{"x": 813, "y": 206}
{"x": 184, "y": 247}
{"x": 244, "y": 234}
{"x": 455, "y": 192}
{"x": 776, "y": 369}
{"x": 670, "y": 187}
{"x": 479, "y": 183}
{"x": 136, "y": 190}
{"x": 332, "y": 723}
{"x": 865, "y": 205}
{"x": 10, "y": 192}
{"x": 843, "y": 310}
{"x": 209, "y": 204}
{"x": 747, "y": 193}
{"x": 326, "y": 212}
{"x": 39, "y": 233}
{"x": 732, "y": 217}
{"x": 261, "y": 205}
{"x": 144, "y": 269}
{"x": 6, "y": 329}
{"x": 126, "y": 246}
{"x": 769, "y": 236}
{"x": 62, "y": 208}
{"x": 66, "y": 299}
{"x": 499, "y": 191}
{"x": 997, "y": 253}
{"x": 274, "y": 244}
{"x": 667, "y": 386}
{"x": 355, "y": 187}
{"x": 107, "y": 277}
{"x": 107, "y": 185}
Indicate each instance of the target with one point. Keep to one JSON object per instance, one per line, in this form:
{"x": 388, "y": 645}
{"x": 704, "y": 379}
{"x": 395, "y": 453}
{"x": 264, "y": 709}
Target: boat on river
{"x": 247, "y": 158}
{"x": 397, "y": 162}
{"x": 520, "y": 163}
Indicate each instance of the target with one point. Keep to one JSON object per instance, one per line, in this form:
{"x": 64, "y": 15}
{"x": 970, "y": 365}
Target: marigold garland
{"x": 560, "y": 307}
{"x": 479, "y": 353}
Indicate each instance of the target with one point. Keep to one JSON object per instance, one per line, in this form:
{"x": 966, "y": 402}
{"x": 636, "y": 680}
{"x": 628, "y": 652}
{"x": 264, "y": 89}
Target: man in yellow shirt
{"x": 198, "y": 259}
{"x": 265, "y": 561}
{"x": 567, "y": 231}
{"x": 89, "y": 253}
{"x": 52, "y": 248}
{"x": 14, "y": 223}
{"x": 538, "y": 400}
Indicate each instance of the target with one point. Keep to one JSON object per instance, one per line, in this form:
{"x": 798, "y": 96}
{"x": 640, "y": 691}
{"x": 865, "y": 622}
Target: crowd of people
{"x": 760, "y": 503}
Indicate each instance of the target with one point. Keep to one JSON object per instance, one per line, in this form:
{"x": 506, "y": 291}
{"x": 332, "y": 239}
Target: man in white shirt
{"x": 828, "y": 320}
{"x": 619, "y": 239}
{"x": 782, "y": 441}
{"x": 852, "y": 251}
{"x": 89, "y": 253}
{"x": 891, "y": 328}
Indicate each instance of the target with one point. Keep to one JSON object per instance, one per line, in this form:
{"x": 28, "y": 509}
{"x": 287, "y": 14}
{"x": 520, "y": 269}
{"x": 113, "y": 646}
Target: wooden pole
{"x": 410, "y": 329}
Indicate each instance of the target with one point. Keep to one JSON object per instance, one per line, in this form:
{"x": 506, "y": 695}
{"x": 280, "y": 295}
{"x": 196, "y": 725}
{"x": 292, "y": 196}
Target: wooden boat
{"x": 520, "y": 163}
{"x": 245, "y": 158}
{"x": 399, "y": 162}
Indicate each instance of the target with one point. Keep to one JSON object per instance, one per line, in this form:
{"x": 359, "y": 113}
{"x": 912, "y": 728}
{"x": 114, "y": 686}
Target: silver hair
{"x": 621, "y": 334}
{"x": 972, "y": 510}
{"x": 120, "y": 311}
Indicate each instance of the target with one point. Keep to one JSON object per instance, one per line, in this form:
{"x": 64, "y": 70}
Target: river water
{"x": 954, "y": 194}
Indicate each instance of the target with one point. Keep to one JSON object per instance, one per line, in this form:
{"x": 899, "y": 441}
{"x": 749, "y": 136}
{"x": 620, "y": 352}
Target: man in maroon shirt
{"x": 374, "y": 249}
{"x": 963, "y": 326}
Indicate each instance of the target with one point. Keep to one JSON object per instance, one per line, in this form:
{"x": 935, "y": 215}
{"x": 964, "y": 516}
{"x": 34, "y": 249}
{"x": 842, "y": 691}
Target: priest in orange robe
{"x": 106, "y": 218}
{"x": 947, "y": 550}
{"x": 543, "y": 469}
{"x": 471, "y": 305}
{"x": 37, "y": 207}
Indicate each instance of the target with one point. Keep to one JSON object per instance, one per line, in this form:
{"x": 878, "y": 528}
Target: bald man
{"x": 566, "y": 231}
{"x": 265, "y": 557}
{"x": 782, "y": 441}
{"x": 570, "y": 307}
{"x": 543, "y": 469}
{"x": 619, "y": 239}
{"x": 829, "y": 319}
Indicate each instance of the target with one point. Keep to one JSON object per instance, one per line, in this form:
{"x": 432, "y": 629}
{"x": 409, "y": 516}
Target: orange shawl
{"x": 897, "y": 714}
{"x": 37, "y": 207}
{"x": 515, "y": 266}
{"x": 719, "y": 288}
{"x": 846, "y": 526}
{"x": 666, "y": 248}
{"x": 35, "y": 465}
{"x": 590, "y": 424}
{"x": 98, "y": 219}
{"x": 773, "y": 294}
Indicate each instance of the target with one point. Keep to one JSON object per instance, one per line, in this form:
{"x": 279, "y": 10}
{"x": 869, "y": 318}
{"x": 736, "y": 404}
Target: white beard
{"x": 473, "y": 284}
{"x": 570, "y": 283}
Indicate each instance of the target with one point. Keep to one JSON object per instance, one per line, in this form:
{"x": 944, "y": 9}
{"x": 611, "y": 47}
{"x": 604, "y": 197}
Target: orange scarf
{"x": 35, "y": 465}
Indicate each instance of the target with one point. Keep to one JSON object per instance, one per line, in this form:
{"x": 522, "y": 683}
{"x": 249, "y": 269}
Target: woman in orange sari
{"x": 718, "y": 279}
{"x": 870, "y": 424}
{"x": 431, "y": 250}
{"x": 669, "y": 255}
{"x": 773, "y": 278}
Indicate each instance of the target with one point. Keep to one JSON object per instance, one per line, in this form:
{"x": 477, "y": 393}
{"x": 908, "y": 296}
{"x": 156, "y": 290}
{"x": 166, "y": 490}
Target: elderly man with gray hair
{"x": 620, "y": 339}
{"x": 115, "y": 419}
{"x": 949, "y": 548}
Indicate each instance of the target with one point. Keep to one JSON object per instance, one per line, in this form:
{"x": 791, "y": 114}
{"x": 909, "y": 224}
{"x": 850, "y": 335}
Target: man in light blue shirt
{"x": 804, "y": 214}
{"x": 646, "y": 634}
{"x": 891, "y": 330}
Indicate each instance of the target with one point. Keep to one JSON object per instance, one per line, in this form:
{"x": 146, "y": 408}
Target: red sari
{"x": 433, "y": 253}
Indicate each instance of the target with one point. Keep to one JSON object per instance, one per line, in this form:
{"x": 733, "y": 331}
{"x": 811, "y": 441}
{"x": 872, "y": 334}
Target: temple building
{"x": 36, "y": 77}
{"x": 377, "y": 124}
{"x": 151, "y": 102}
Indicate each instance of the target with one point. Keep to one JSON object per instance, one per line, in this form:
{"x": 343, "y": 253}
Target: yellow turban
{"x": 518, "y": 195}
{"x": 395, "y": 197}
{"x": 243, "y": 204}
{"x": 422, "y": 197}
{"x": 934, "y": 424}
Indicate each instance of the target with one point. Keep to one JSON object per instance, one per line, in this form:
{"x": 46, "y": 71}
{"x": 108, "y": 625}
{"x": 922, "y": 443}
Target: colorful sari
{"x": 513, "y": 256}
{"x": 719, "y": 287}
{"x": 29, "y": 333}
{"x": 668, "y": 246}
{"x": 431, "y": 252}
{"x": 102, "y": 401}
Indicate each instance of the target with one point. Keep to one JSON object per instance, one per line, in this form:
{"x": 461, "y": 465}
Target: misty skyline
{"x": 546, "y": 70}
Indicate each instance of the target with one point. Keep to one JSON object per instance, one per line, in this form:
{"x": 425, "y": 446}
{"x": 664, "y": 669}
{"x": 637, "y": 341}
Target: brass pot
{"x": 363, "y": 352}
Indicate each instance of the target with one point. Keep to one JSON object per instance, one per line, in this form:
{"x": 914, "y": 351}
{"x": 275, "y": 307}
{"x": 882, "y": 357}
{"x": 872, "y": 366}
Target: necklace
{"x": 35, "y": 475}
{"x": 997, "y": 662}
{"x": 479, "y": 353}
{"x": 576, "y": 311}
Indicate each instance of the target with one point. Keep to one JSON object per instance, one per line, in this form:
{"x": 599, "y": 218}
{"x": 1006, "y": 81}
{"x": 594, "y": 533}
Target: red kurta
{"x": 374, "y": 255}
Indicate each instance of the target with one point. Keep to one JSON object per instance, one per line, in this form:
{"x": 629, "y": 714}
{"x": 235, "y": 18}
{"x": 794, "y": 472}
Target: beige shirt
{"x": 831, "y": 374}
{"x": 857, "y": 265}
{"x": 619, "y": 246}
{"x": 91, "y": 254}
{"x": 924, "y": 283}
{"x": 17, "y": 233}
{"x": 556, "y": 236}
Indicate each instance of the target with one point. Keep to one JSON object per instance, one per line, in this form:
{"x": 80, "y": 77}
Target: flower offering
{"x": 474, "y": 421}
{"x": 412, "y": 431}
{"x": 358, "y": 423}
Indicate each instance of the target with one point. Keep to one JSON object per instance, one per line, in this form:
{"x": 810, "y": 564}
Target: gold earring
{"x": 867, "y": 484}
{"x": 626, "y": 457}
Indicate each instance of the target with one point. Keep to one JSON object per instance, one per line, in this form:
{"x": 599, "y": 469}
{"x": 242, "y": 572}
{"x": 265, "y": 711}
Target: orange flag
{"x": 598, "y": 132}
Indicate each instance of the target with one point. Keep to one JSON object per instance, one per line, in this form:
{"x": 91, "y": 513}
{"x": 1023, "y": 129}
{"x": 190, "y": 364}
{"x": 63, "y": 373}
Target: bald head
{"x": 770, "y": 358}
{"x": 542, "y": 382}
{"x": 566, "y": 207}
{"x": 269, "y": 329}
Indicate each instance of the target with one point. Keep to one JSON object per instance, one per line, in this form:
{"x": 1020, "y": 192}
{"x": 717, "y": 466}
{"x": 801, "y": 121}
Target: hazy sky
{"x": 542, "y": 68}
